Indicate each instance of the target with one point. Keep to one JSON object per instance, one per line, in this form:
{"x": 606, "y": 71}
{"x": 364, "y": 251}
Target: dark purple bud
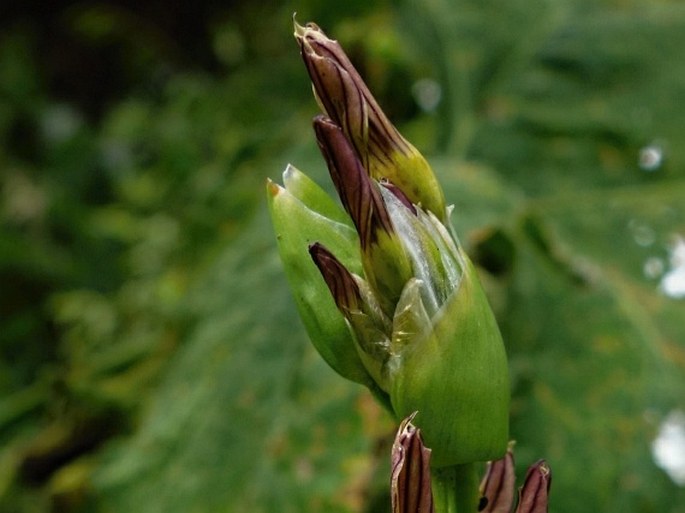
{"x": 346, "y": 99}
{"x": 410, "y": 479}
{"x": 497, "y": 486}
{"x": 359, "y": 194}
{"x": 534, "y": 494}
{"x": 340, "y": 281}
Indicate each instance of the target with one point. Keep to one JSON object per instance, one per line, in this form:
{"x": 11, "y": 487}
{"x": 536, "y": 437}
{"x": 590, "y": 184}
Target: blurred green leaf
{"x": 248, "y": 417}
{"x": 143, "y": 301}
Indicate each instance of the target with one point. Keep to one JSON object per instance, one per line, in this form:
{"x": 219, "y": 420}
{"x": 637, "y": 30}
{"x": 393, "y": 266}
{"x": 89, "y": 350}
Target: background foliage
{"x": 150, "y": 355}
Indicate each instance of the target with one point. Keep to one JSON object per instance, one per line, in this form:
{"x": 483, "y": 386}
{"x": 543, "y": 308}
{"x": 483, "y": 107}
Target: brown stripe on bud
{"x": 410, "y": 489}
{"x": 534, "y": 494}
{"x": 339, "y": 280}
{"x": 497, "y": 486}
{"x": 359, "y": 194}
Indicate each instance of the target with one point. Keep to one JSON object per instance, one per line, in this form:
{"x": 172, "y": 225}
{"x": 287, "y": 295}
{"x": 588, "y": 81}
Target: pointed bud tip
{"x": 299, "y": 29}
{"x": 288, "y": 173}
{"x": 410, "y": 471}
{"x": 309, "y": 29}
{"x": 340, "y": 282}
{"x": 540, "y": 469}
{"x": 326, "y": 261}
{"x": 544, "y": 468}
{"x": 323, "y": 124}
{"x": 322, "y": 258}
{"x": 316, "y": 248}
{"x": 272, "y": 188}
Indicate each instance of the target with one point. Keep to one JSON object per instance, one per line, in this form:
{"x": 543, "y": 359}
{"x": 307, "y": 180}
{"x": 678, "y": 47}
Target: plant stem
{"x": 455, "y": 489}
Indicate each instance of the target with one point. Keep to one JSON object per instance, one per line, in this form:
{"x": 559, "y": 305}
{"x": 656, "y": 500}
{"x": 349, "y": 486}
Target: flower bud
{"x": 410, "y": 482}
{"x": 365, "y": 318}
{"x": 385, "y": 263}
{"x": 346, "y": 100}
{"x": 534, "y": 494}
{"x": 497, "y": 487}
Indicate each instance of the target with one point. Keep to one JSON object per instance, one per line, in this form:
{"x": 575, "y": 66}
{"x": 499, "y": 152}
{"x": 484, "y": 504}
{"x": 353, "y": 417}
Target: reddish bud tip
{"x": 339, "y": 280}
{"x": 359, "y": 194}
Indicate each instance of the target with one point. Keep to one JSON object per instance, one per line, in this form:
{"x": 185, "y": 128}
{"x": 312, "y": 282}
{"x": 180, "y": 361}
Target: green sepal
{"x": 456, "y": 377}
{"x": 314, "y": 197}
{"x": 296, "y": 226}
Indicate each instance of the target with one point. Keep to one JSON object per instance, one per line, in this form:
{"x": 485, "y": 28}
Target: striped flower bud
{"x": 497, "y": 489}
{"x": 410, "y": 481}
{"x": 345, "y": 99}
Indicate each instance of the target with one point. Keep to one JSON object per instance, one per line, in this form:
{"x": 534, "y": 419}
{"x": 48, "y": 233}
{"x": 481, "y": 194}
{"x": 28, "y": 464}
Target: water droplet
{"x": 653, "y": 268}
{"x": 651, "y": 157}
{"x": 643, "y": 234}
{"x": 427, "y": 94}
{"x": 668, "y": 448}
{"x": 673, "y": 282}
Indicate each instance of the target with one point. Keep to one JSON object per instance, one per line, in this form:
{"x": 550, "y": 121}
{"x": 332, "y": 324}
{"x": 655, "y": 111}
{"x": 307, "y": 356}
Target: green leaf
{"x": 313, "y": 197}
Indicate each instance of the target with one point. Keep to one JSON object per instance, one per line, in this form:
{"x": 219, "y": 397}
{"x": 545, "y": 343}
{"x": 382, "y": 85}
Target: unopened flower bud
{"x": 534, "y": 494}
{"x": 499, "y": 482}
{"x": 410, "y": 483}
{"x": 345, "y": 99}
{"x": 498, "y": 485}
{"x": 385, "y": 263}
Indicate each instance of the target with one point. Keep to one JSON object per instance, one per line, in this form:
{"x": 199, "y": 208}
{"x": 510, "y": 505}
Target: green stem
{"x": 455, "y": 489}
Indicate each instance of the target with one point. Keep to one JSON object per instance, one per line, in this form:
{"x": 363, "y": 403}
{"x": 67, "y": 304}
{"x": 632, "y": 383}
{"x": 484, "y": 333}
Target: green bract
{"x": 387, "y": 294}
{"x": 303, "y": 213}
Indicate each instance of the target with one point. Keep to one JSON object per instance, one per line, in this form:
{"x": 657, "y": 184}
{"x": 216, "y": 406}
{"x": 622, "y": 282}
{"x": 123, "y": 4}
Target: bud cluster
{"x": 389, "y": 297}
